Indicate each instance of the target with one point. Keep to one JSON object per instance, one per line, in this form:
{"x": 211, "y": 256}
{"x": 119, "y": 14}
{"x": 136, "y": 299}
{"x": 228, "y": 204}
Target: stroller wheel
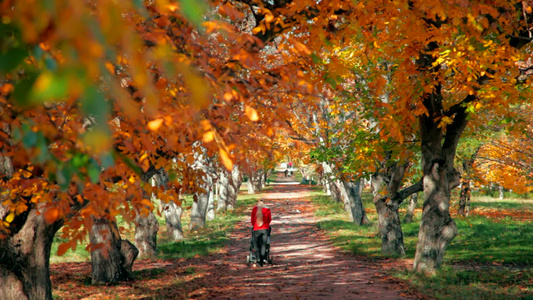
{"x": 248, "y": 259}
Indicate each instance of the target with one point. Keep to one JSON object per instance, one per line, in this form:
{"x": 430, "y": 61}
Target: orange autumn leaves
{"x": 506, "y": 161}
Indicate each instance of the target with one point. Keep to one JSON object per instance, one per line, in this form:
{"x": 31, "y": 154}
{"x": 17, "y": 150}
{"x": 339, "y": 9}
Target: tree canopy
{"x": 97, "y": 96}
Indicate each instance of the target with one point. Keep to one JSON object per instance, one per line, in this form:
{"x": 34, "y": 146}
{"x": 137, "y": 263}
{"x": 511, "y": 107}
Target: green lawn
{"x": 489, "y": 259}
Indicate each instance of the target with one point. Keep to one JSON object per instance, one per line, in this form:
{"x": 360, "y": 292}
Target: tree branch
{"x": 408, "y": 191}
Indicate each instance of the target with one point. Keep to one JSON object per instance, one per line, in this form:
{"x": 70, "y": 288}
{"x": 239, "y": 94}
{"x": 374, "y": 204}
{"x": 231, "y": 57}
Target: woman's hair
{"x": 259, "y": 214}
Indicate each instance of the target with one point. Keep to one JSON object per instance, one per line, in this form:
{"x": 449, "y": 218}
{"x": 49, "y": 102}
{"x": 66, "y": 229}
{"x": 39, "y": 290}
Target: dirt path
{"x": 306, "y": 266}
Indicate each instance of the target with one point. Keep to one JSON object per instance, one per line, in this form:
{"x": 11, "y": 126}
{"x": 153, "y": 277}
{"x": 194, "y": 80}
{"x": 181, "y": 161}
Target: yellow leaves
{"x": 259, "y": 29}
{"x": 205, "y": 125}
{"x": 208, "y": 137}
{"x": 172, "y": 7}
{"x": 211, "y": 26}
{"x": 228, "y": 96}
{"x": 269, "y": 17}
{"x": 97, "y": 140}
{"x": 444, "y": 121}
{"x": 155, "y": 124}
{"x": 226, "y": 160}
{"x": 251, "y": 113}
{"x": 197, "y": 87}
{"x": 10, "y": 218}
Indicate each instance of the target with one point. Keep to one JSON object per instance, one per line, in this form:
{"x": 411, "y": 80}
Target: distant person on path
{"x": 286, "y": 172}
{"x": 290, "y": 164}
{"x": 261, "y": 217}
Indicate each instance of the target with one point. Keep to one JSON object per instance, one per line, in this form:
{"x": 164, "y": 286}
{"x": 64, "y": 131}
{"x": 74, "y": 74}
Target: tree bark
{"x": 255, "y": 181}
{"x": 146, "y": 234}
{"x": 464, "y": 197}
{"x": 25, "y": 250}
{"x": 326, "y": 180}
{"x": 223, "y": 194}
{"x": 438, "y": 150}
{"x": 334, "y": 191}
{"x": 171, "y": 210}
{"x": 350, "y": 193}
{"x": 408, "y": 218}
{"x": 385, "y": 185}
{"x": 25, "y": 259}
{"x": 210, "y": 214}
{"x": 234, "y": 186}
{"x": 251, "y": 187}
{"x": 112, "y": 258}
{"x": 172, "y": 213}
{"x": 437, "y": 228}
{"x": 199, "y": 210}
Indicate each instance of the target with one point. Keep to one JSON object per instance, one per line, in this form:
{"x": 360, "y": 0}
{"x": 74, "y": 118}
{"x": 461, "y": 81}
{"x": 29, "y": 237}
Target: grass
{"x": 489, "y": 259}
{"x": 492, "y": 203}
{"x": 208, "y": 240}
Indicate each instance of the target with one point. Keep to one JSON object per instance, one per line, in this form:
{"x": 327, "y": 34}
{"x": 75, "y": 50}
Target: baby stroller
{"x": 250, "y": 258}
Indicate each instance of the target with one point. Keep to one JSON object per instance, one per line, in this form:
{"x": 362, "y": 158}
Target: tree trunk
{"x": 464, "y": 197}
{"x": 234, "y": 187}
{"x": 210, "y": 214}
{"x": 171, "y": 210}
{"x": 172, "y": 213}
{"x": 256, "y": 179}
{"x": 251, "y": 187}
{"x": 326, "y": 177}
{"x": 25, "y": 250}
{"x": 223, "y": 194}
{"x": 199, "y": 210}
{"x": 389, "y": 226}
{"x": 437, "y": 228}
{"x": 146, "y": 234}
{"x": 350, "y": 193}
{"x": 408, "y": 218}
{"x": 112, "y": 258}
{"x": 438, "y": 150}
{"x": 25, "y": 259}
{"x": 500, "y": 189}
{"x": 334, "y": 191}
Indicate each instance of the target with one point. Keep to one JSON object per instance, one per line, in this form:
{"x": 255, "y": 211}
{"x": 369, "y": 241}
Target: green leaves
{"x": 50, "y": 86}
{"x": 12, "y": 58}
{"x": 94, "y": 105}
{"x": 193, "y": 10}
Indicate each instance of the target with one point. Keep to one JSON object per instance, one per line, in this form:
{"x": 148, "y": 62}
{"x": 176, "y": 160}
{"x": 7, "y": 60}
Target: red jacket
{"x": 267, "y": 217}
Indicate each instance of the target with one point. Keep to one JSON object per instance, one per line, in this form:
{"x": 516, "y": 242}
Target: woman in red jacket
{"x": 261, "y": 218}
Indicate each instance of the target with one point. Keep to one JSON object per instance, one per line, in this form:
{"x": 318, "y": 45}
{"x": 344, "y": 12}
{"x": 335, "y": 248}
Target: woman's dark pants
{"x": 260, "y": 243}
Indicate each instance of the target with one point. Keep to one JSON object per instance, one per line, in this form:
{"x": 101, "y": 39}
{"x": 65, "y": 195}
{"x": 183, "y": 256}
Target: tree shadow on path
{"x": 306, "y": 264}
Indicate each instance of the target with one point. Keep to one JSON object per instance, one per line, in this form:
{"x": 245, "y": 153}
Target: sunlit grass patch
{"x": 481, "y": 283}
{"x": 489, "y": 259}
{"x": 208, "y": 240}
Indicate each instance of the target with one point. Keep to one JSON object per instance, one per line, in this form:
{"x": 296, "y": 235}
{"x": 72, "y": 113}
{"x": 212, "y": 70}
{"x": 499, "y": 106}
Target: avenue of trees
{"x": 109, "y": 107}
